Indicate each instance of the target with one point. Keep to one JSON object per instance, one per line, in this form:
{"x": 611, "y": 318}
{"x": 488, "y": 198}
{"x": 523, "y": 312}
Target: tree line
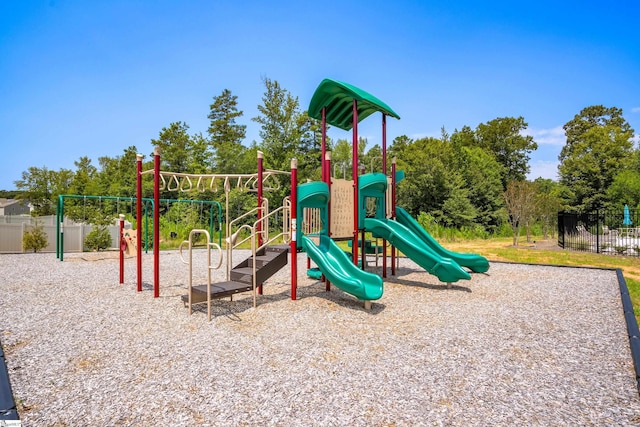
{"x": 472, "y": 180}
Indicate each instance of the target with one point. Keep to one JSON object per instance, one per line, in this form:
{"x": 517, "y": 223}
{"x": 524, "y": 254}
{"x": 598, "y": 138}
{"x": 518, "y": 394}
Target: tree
{"x": 519, "y": 199}
{"x": 41, "y": 187}
{"x": 174, "y": 143}
{"x": 399, "y": 144}
{"x": 432, "y": 185}
{"x": 84, "y": 180}
{"x": 547, "y": 204}
{"x": 372, "y": 159}
{"x": 481, "y": 173}
{"x": 624, "y": 190}
{"x": 594, "y": 160}
{"x": 588, "y": 118}
{"x": 200, "y": 161}
{"x": 465, "y": 137}
{"x": 308, "y": 149}
{"x": 99, "y": 238}
{"x": 117, "y": 176}
{"x": 341, "y": 157}
{"x": 225, "y": 134}
{"x": 282, "y": 128}
{"x": 503, "y": 137}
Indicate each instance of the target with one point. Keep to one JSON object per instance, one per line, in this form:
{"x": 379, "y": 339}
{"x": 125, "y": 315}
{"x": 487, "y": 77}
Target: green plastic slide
{"x": 402, "y": 238}
{"x": 339, "y": 269}
{"x": 474, "y": 262}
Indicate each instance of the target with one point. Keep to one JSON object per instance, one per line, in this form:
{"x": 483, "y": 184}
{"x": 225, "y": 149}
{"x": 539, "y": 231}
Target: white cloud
{"x": 543, "y": 168}
{"x": 553, "y": 136}
{"x": 635, "y": 110}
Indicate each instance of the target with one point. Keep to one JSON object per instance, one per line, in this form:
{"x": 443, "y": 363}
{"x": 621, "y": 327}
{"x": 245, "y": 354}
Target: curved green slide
{"x": 476, "y": 263}
{"x": 340, "y": 270}
{"x": 402, "y": 238}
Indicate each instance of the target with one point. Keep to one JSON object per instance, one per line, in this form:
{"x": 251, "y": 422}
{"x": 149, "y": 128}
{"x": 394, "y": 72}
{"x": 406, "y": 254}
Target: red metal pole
{"x": 139, "y": 221}
{"x": 294, "y": 227}
{"x": 260, "y": 170}
{"x": 393, "y": 212}
{"x": 354, "y": 172}
{"x": 156, "y": 223}
{"x": 122, "y": 249}
{"x": 323, "y": 170}
{"x": 384, "y": 171}
{"x": 327, "y": 156}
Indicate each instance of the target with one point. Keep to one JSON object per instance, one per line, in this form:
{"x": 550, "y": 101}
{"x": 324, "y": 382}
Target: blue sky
{"x": 90, "y": 78}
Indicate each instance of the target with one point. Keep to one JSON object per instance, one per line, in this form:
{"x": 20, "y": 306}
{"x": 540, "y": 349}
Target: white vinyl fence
{"x": 12, "y": 228}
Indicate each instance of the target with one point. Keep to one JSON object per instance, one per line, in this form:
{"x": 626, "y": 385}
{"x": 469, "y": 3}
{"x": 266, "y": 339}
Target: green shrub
{"x": 581, "y": 245}
{"x": 620, "y": 249}
{"x": 98, "y": 239}
{"x": 35, "y": 239}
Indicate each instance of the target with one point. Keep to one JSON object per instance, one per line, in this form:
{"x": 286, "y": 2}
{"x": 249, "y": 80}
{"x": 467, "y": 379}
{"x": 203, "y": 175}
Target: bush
{"x": 582, "y": 245}
{"x": 620, "y": 250}
{"x": 35, "y": 239}
{"x": 98, "y": 239}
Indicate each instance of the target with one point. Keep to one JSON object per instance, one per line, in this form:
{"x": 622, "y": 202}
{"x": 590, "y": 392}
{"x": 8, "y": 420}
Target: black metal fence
{"x": 603, "y": 231}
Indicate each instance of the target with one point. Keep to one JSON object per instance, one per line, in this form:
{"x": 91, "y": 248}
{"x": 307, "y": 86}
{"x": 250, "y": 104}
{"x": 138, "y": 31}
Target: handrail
{"x": 209, "y": 245}
{"x": 255, "y": 249}
{"x": 231, "y": 244}
{"x": 284, "y": 208}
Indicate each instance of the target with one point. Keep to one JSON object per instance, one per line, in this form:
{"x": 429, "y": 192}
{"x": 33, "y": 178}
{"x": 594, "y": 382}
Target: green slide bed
{"x": 474, "y": 262}
{"x": 402, "y": 238}
{"x": 339, "y": 269}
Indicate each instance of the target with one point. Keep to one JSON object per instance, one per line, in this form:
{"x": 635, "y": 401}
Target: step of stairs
{"x": 218, "y": 290}
{"x": 268, "y": 261}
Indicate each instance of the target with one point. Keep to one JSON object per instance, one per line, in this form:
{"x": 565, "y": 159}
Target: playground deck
{"x": 522, "y": 345}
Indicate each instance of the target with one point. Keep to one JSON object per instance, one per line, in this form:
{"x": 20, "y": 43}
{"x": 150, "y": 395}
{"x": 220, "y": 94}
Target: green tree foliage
{"x": 225, "y": 134}
{"x": 286, "y": 132}
{"x": 599, "y": 147}
{"x": 596, "y": 158}
{"x": 503, "y": 137}
{"x": 431, "y": 182}
{"x": 98, "y": 239}
{"x": 624, "y": 190}
{"x": 175, "y": 144}
{"x": 84, "y": 181}
{"x": 456, "y": 185}
{"x": 588, "y": 118}
{"x": 341, "y": 158}
{"x": 117, "y": 175}
{"x": 548, "y": 201}
{"x": 42, "y": 186}
{"x": 309, "y": 148}
{"x": 35, "y": 239}
{"x": 180, "y": 218}
{"x": 200, "y": 159}
{"x": 481, "y": 173}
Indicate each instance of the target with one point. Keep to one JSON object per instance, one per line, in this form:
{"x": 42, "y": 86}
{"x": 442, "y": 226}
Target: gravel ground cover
{"x": 522, "y": 345}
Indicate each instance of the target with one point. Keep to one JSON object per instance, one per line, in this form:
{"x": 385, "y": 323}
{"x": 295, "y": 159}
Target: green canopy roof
{"x": 338, "y": 98}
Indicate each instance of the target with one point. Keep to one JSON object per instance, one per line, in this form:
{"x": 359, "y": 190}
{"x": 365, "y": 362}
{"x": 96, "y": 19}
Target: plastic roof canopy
{"x": 338, "y": 98}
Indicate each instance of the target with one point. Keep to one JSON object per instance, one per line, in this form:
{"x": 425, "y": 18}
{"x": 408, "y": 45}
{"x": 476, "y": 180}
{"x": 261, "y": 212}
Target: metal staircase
{"x": 268, "y": 261}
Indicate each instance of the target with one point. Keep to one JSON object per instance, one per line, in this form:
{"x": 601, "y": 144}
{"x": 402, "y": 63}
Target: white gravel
{"x": 522, "y": 345}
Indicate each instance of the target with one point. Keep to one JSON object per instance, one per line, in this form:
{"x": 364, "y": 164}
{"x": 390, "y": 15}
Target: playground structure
{"x": 330, "y": 210}
{"x": 238, "y": 278}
